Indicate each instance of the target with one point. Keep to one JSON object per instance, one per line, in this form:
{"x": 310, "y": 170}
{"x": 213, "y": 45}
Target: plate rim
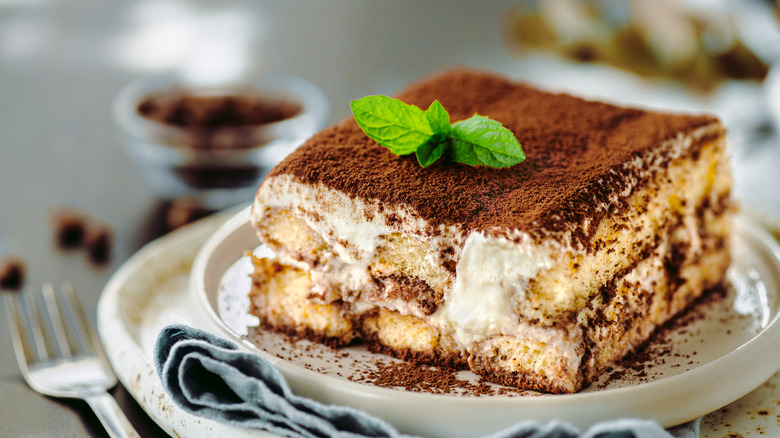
{"x": 663, "y": 388}
{"x": 133, "y": 366}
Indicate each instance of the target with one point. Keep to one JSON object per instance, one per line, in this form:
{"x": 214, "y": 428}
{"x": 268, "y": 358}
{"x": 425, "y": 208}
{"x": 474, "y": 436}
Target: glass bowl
{"x": 218, "y": 164}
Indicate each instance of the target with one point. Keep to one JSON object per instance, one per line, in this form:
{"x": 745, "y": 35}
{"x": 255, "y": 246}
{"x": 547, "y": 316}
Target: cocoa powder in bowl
{"x": 187, "y": 109}
{"x": 214, "y": 142}
{"x": 212, "y": 122}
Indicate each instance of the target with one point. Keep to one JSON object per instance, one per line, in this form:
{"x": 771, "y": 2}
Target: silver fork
{"x": 61, "y": 362}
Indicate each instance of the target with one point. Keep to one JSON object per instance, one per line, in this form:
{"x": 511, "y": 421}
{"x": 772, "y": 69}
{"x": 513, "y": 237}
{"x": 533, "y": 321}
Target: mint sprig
{"x": 401, "y": 127}
{"x": 406, "y": 129}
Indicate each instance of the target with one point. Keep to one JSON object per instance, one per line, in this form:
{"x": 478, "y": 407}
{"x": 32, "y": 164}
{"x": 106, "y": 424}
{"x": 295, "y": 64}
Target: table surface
{"x": 61, "y": 63}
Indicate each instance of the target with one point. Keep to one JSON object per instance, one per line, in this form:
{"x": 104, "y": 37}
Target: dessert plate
{"x": 729, "y": 338}
{"x": 151, "y": 290}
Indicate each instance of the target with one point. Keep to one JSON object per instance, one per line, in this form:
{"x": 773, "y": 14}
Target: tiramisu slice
{"x": 539, "y": 275}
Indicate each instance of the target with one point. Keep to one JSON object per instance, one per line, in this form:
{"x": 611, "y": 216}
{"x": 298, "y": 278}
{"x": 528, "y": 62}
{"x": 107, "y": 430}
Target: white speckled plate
{"x": 730, "y": 340}
{"x": 151, "y": 290}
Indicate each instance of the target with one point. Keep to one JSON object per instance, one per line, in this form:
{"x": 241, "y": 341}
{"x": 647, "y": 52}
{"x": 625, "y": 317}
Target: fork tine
{"x": 32, "y": 318}
{"x": 53, "y": 311}
{"x": 92, "y": 337}
{"x": 76, "y": 319}
{"x": 21, "y": 345}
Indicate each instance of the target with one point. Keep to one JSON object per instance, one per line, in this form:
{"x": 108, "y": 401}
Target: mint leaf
{"x": 438, "y": 118}
{"x": 481, "y": 141}
{"x": 400, "y": 127}
{"x": 463, "y": 152}
{"x": 434, "y": 148}
{"x": 431, "y": 151}
{"x": 404, "y": 129}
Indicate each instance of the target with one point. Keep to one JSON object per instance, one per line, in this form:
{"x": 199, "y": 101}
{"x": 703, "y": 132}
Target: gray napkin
{"x": 210, "y": 377}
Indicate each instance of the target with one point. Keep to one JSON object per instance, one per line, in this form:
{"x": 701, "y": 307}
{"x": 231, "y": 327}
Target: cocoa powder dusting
{"x": 188, "y": 109}
{"x": 575, "y": 149}
{"x": 641, "y": 365}
{"x": 428, "y": 378}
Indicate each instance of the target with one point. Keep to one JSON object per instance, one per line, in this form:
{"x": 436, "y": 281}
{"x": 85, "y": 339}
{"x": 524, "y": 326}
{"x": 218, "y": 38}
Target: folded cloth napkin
{"x": 210, "y": 377}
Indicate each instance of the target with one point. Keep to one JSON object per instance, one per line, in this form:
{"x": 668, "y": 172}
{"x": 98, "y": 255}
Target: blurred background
{"x": 63, "y": 63}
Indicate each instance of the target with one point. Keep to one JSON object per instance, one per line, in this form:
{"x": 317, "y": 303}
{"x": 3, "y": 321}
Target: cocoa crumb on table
{"x": 73, "y": 228}
{"x": 67, "y": 225}
{"x": 12, "y": 272}
{"x": 98, "y": 241}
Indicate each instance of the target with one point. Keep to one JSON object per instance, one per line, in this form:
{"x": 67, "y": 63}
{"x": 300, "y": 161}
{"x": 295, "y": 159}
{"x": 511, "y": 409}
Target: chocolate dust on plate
{"x": 355, "y": 363}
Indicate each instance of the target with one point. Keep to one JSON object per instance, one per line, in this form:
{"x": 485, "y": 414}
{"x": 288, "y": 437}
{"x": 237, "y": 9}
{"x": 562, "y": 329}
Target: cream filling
{"x": 492, "y": 273}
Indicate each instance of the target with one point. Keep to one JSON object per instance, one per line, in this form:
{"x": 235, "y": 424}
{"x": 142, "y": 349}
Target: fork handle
{"x": 111, "y": 416}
